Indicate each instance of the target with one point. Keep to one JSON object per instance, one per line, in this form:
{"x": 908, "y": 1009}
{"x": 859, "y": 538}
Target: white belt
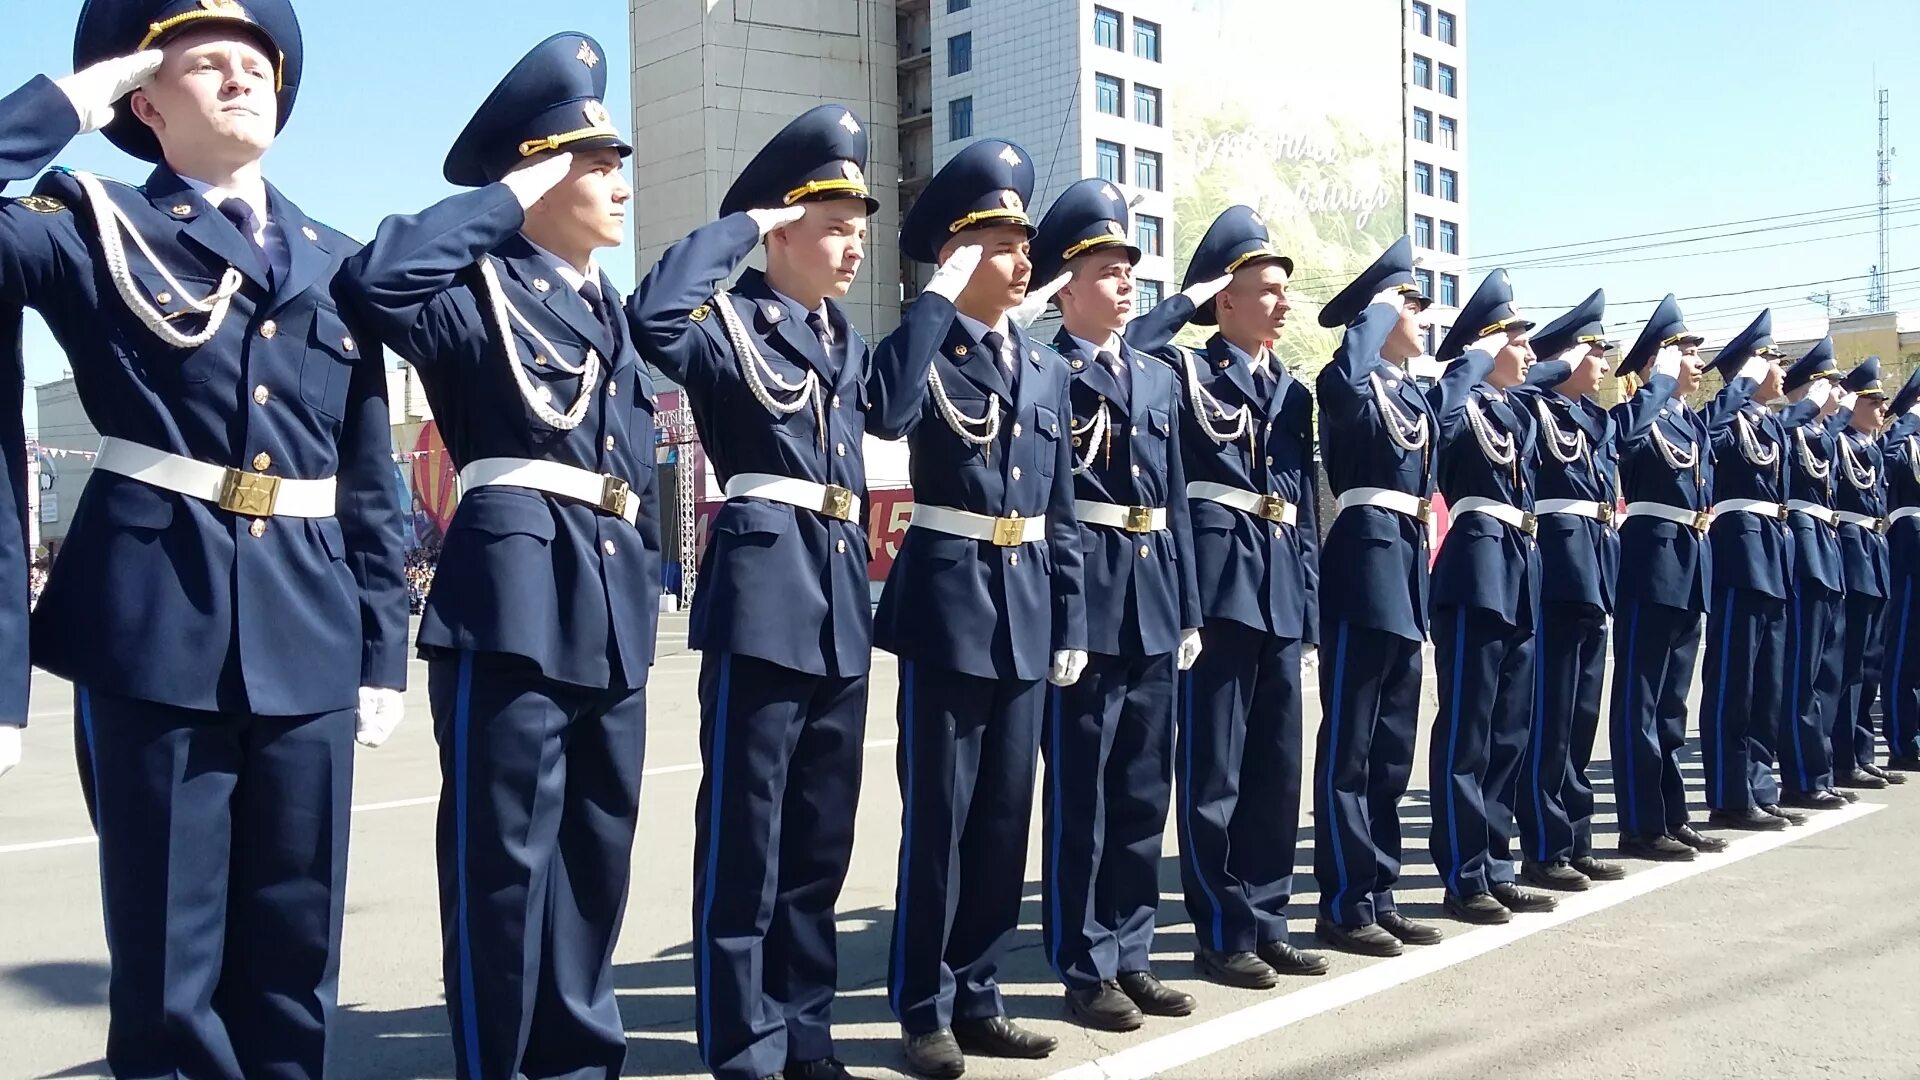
{"x": 1399, "y": 502}
{"x": 1503, "y": 513}
{"x": 608, "y": 494}
{"x": 1134, "y": 519}
{"x": 998, "y": 531}
{"x": 827, "y": 500}
{"x": 1266, "y": 507}
{"x": 1902, "y": 514}
{"x": 1864, "y": 521}
{"x": 1586, "y": 508}
{"x": 250, "y": 494}
{"x": 1697, "y": 520}
{"x": 1813, "y": 510}
{"x": 1776, "y": 511}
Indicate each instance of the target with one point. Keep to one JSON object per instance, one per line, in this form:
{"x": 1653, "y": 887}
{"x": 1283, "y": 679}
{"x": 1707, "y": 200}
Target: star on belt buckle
{"x": 838, "y": 504}
{"x": 614, "y": 493}
{"x": 1009, "y": 531}
{"x": 249, "y": 494}
{"x": 1273, "y": 508}
{"x": 1529, "y": 523}
{"x": 1606, "y": 513}
{"x": 1139, "y": 519}
{"x": 1702, "y": 519}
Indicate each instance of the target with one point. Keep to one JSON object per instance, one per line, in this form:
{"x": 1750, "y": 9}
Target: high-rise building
{"x": 1436, "y": 81}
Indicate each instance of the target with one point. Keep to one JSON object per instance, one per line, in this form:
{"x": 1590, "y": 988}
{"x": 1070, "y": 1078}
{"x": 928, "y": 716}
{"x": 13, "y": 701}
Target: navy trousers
{"x": 1815, "y": 644}
{"x": 223, "y": 868}
{"x": 1901, "y": 671}
{"x": 773, "y": 830}
{"x": 1485, "y": 667}
{"x": 1555, "y": 803}
{"x": 1370, "y": 694}
{"x": 1862, "y": 658}
{"x": 967, "y": 755}
{"x": 1108, "y": 745}
{"x": 540, "y": 787}
{"x": 1654, "y": 648}
{"x": 1239, "y": 790}
{"x": 1741, "y": 680}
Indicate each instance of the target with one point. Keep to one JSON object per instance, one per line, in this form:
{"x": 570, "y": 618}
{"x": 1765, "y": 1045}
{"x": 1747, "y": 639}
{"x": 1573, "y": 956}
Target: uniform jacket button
{"x": 262, "y": 461}
{"x": 261, "y": 395}
{"x": 268, "y": 329}
{"x": 258, "y": 528}
{"x": 607, "y": 546}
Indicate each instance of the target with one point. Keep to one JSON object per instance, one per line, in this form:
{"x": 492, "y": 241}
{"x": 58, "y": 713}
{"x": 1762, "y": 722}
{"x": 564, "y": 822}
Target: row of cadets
{"x": 1860, "y": 507}
{"x": 1900, "y": 697}
{"x": 229, "y": 603}
{"x": 539, "y": 630}
{"x": 984, "y": 603}
{"x": 776, "y": 377}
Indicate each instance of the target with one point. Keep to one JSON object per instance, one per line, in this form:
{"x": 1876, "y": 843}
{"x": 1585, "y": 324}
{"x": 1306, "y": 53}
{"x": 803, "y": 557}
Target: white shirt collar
{"x": 1112, "y": 345}
{"x": 979, "y": 330}
{"x": 568, "y": 274}
{"x": 1257, "y": 365}
{"x": 826, "y": 320}
{"x": 254, "y": 195}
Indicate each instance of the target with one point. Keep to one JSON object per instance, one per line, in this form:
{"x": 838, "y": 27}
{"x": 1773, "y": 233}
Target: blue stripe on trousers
{"x": 1540, "y": 665}
{"x": 715, "y": 810}
{"x": 469, "y": 1022}
{"x": 1187, "y": 849}
{"x": 1453, "y": 749}
{"x": 1793, "y": 699}
{"x": 93, "y": 771}
{"x": 1631, "y": 729}
{"x": 1719, "y": 762}
{"x": 1333, "y": 751}
{"x": 906, "y": 839}
{"x": 1896, "y": 730}
{"x": 1058, "y": 830}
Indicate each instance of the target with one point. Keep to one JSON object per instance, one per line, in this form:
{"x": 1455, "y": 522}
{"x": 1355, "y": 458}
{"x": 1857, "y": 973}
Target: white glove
{"x": 1067, "y": 666}
{"x": 1189, "y": 650}
{"x": 1035, "y": 305}
{"x": 381, "y": 711}
{"x": 1309, "y": 659}
{"x": 954, "y": 274}
{"x": 1755, "y": 368}
{"x": 1914, "y": 409}
{"x": 1847, "y": 400}
{"x": 1492, "y": 343}
{"x": 9, "y": 748}
{"x": 531, "y": 181}
{"x": 1667, "y": 362}
{"x": 769, "y": 220}
{"x": 1820, "y": 392}
{"x": 94, "y": 90}
{"x": 1207, "y": 290}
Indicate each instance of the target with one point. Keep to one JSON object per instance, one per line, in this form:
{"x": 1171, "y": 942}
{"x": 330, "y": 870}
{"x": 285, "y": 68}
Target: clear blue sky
{"x": 1585, "y": 121}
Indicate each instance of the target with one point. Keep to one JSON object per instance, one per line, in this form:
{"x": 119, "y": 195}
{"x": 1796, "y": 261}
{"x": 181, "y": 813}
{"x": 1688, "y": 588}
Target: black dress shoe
{"x": 1598, "y": 869}
{"x": 1845, "y": 795}
{"x": 824, "y": 1069}
{"x": 1902, "y": 763}
{"x": 1789, "y": 816}
{"x": 997, "y": 1036}
{"x": 1480, "y": 909}
{"x": 1706, "y": 845}
{"x": 1407, "y": 930}
{"x": 1282, "y": 957}
{"x": 1752, "y": 819}
{"x": 1104, "y": 1008}
{"x": 1813, "y": 800}
{"x": 1655, "y": 849}
{"x": 1368, "y": 940}
{"x": 1859, "y": 778}
{"x": 1559, "y": 876}
{"x": 1241, "y": 969}
{"x": 1884, "y": 774}
{"x": 936, "y": 1055}
{"x": 1522, "y": 901}
{"x": 1154, "y": 997}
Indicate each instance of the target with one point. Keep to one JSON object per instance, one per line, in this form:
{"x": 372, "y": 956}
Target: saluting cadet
{"x": 1377, "y": 432}
{"x": 1247, "y": 442}
{"x": 1108, "y": 738}
{"x": 1814, "y": 630}
{"x": 1666, "y": 474}
{"x": 984, "y": 600}
{"x": 231, "y": 587}
{"x": 1860, "y": 505}
{"x": 1900, "y": 449}
{"x": 539, "y": 630}
{"x": 1741, "y": 676}
{"x": 1485, "y": 604}
{"x": 1575, "y": 492}
{"x": 776, "y": 377}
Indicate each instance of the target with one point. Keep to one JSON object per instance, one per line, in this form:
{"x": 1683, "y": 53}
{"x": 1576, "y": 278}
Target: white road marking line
{"x": 1157, "y": 1056}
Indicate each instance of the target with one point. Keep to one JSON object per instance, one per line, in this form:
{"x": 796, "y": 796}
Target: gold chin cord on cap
{"x": 1013, "y": 217}
{"x": 228, "y": 10}
{"x": 555, "y": 142}
{"x": 1256, "y": 253}
{"x": 816, "y": 187}
{"x": 1084, "y": 246}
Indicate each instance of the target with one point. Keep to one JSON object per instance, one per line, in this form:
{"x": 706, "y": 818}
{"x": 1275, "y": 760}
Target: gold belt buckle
{"x": 1702, "y": 519}
{"x": 614, "y": 493}
{"x": 1009, "y": 531}
{"x": 1273, "y": 508}
{"x": 1880, "y": 525}
{"x": 1424, "y": 512}
{"x": 249, "y": 494}
{"x": 1529, "y": 524}
{"x": 838, "y": 504}
{"x": 1139, "y": 519}
{"x": 1783, "y": 511}
{"x": 1606, "y": 512}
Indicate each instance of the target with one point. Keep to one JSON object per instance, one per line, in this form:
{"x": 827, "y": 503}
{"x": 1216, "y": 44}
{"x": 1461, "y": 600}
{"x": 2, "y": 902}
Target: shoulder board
{"x": 40, "y": 204}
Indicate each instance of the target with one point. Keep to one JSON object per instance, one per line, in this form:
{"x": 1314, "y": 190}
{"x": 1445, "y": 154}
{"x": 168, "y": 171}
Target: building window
{"x": 1150, "y": 293}
{"x": 960, "y": 54}
{"x": 1110, "y": 157}
{"x": 1146, "y": 104}
{"x": 1449, "y": 290}
{"x": 1423, "y": 178}
{"x": 1446, "y": 27}
{"x": 1146, "y": 170}
{"x": 1449, "y": 185}
{"x": 1423, "y": 232}
{"x": 1449, "y": 133}
{"x": 1424, "y": 279}
{"x": 1106, "y": 95}
{"x": 1422, "y": 71}
{"x": 1146, "y": 235}
{"x": 1106, "y": 28}
{"x": 1146, "y": 40}
{"x": 1450, "y": 237}
{"x": 1428, "y": 336}
{"x": 958, "y": 5}
{"x": 1423, "y": 125}
{"x": 1423, "y": 18}
{"x": 1449, "y": 80}
{"x": 960, "y": 118}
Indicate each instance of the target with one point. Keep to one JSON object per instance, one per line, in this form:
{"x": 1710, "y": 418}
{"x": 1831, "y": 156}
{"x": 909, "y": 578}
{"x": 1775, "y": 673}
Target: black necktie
{"x": 997, "y": 342}
{"x": 1121, "y": 374}
{"x": 602, "y": 310}
{"x": 818, "y": 323}
{"x": 237, "y": 211}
